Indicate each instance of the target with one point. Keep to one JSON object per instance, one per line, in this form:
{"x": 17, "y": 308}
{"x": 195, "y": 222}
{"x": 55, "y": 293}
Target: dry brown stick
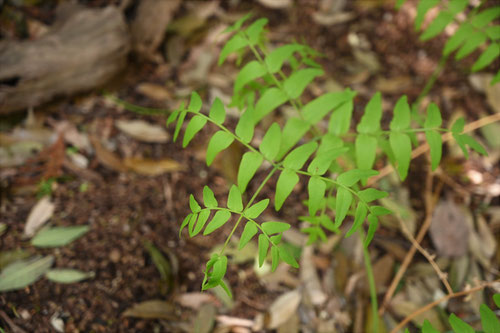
{"x": 425, "y": 147}
{"x": 428, "y": 256}
{"x": 429, "y": 207}
{"x": 442, "y": 299}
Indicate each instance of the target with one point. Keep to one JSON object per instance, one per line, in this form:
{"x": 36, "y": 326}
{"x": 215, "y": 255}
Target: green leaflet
{"x": 219, "y": 141}
{"x": 342, "y": 204}
{"x": 270, "y": 100}
{"x": 255, "y": 29}
{"x": 366, "y": 148}
{"x": 458, "y": 126}
{"x": 195, "y": 103}
{"x": 287, "y": 257}
{"x": 495, "y": 79}
{"x": 173, "y": 116}
{"x": 296, "y": 158}
{"x": 270, "y": 144}
{"x": 234, "y": 201}
{"x": 22, "y": 273}
{"x": 200, "y": 223}
{"x": 218, "y": 272}
{"x": 184, "y": 224}
{"x": 320, "y": 164}
{"x": 178, "y": 126}
{"x": 318, "y": 108}
{"x": 220, "y": 218}
{"x": 263, "y": 248}
{"x": 433, "y": 119}
{"x": 58, "y": 236}
{"x": 380, "y": 210}
{"x": 66, "y": 275}
{"x": 192, "y": 223}
{"x": 194, "y": 126}
{"x": 237, "y": 42}
{"x": 471, "y": 142}
{"x": 247, "y": 234}
{"x": 471, "y": 44}
{"x": 255, "y": 210}
{"x": 351, "y": 177}
{"x": 399, "y": 3}
{"x": 359, "y": 217}
{"x": 496, "y": 299}
{"x": 401, "y": 147}
{"x": 299, "y": 80}
{"x": 493, "y": 32}
{"x": 489, "y": 319}
{"x": 340, "y": 120}
{"x": 427, "y": 327}
{"x": 485, "y": 17}
{"x": 274, "y": 60}
{"x": 237, "y": 25}
{"x": 436, "y": 146}
{"x": 248, "y": 73}
{"x": 487, "y": 57}
{"x": 422, "y": 9}
{"x": 245, "y": 126}
{"x": 209, "y": 198}
{"x": 193, "y": 204}
{"x": 437, "y": 25}
{"x": 370, "y": 122}
{"x": 459, "y": 325}
{"x": 371, "y": 194}
{"x": 293, "y": 131}
{"x": 217, "y": 112}
{"x": 316, "y": 189}
{"x": 286, "y": 182}
{"x": 275, "y": 258}
{"x": 458, "y": 38}
{"x": 372, "y": 227}
{"x": 401, "y": 118}
{"x": 250, "y": 163}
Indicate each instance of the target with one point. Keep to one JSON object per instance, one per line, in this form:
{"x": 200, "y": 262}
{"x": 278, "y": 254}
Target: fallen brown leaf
{"x": 152, "y": 309}
{"x": 150, "y": 167}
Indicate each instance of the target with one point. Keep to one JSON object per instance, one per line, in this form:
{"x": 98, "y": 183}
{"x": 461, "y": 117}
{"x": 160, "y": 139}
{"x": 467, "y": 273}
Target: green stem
{"x": 430, "y": 82}
{"x": 261, "y": 186}
{"x": 371, "y": 283}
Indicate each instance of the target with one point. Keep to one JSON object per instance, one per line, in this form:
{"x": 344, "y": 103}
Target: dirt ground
{"x": 375, "y": 49}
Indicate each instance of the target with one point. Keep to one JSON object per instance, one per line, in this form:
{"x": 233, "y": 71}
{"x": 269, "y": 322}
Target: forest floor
{"x": 100, "y": 169}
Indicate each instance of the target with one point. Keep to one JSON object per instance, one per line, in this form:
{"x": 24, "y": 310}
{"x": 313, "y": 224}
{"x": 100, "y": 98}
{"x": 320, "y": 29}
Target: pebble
{"x": 114, "y": 256}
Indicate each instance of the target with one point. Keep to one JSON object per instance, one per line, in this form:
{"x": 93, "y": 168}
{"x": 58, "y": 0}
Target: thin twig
{"x": 428, "y": 256}
{"x": 425, "y": 147}
{"x": 439, "y": 301}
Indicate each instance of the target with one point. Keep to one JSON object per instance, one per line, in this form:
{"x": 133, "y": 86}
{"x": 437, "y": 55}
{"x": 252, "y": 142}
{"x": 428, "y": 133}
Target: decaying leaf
{"x": 67, "y": 275}
{"x": 22, "y": 273}
{"x": 7, "y": 257}
{"x": 449, "y": 230}
{"x": 481, "y": 82}
{"x": 205, "y": 319}
{"x": 40, "y": 213}
{"x": 276, "y": 4}
{"x": 150, "y": 167}
{"x": 143, "y": 131}
{"x": 310, "y": 278}
{"x": 282, "y": 309}
{"x": 195, "y": 300}
{"x": 153, "y": 91}
{"x": 152, "y": 309}
{"x": 106, "y": 157}
{"x": 58, "y": 236}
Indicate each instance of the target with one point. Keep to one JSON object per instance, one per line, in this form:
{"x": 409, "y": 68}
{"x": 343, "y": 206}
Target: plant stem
{"x": 430, "y": 82}
{"x": 261, "y": 186}
{"x": 371, "y": 283}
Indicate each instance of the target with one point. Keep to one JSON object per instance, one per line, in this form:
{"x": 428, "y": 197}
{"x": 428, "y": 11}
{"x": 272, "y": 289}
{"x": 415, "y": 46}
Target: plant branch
{"x": 439, "y": 301}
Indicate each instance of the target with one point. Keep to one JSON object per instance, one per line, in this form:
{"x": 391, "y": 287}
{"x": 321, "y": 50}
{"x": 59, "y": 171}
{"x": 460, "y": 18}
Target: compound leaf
{"x": 464, "y": 31}
{"x": 342, "y": 204}
{"x": 255, "y": 210}
{"x": 218, "y": 272}
{"x": 235, "y": 43}
{"x": 220, "y": 218}
{"x": 237, "y": 25}
{"x": 471, "y": 44}
{"x": 286, "y": 182}
{"x": 270, "y": 100}
{"x": 298, "y": 81}
{"x": 209, "y": 197}
{"x": 248, "y": 73}
{"x": 250, "y": 163}
{"x": 401, "y": 147}
{"x": 219, "y": 141}
{"x": 270, "y": 144}
{"x": 278, "y": 56}
{"x": 359, "y": 217}
{"x": 318, "y": 108}
{"x": 247, "y": 234}
{"x": 316, "y": 189}
{"x": 234, "y": 201}
{"x": 263, "y": 248}
{"x": 255, "y": 29}
{"x": 194, "y": 126}
{"x": 296, "y": 158}
{"x": 217, "y": 112}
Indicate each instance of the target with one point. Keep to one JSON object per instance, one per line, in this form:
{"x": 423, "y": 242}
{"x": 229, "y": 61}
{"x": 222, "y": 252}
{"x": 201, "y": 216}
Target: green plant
{"x": 334, "y": 189}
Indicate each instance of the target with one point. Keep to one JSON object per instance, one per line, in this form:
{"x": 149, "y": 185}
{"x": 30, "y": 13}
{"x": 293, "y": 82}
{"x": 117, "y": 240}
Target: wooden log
{"x": 83, "y": 50}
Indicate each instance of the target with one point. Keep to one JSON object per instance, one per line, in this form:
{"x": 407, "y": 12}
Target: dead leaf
{"x": 106, "y": 157}
{"x": 333, "y": 18}
{"x": 276, "y": 4}
{"x": 195, "y": 300}
{"x": 150, "y": 167}
{"x": 40, "y": 213}
{"x": 392, "y": 85}
{"x": 481, "y": 82}
{"x": 143, "y": 131}
{"x": 282, "y": 309}
{"x": 205, "y": 319}
{"x": 310, "y": 278}
{"x": 449, "y": 230}
{"x": 152, "y": 309}
{"x": 153, "y": 91}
